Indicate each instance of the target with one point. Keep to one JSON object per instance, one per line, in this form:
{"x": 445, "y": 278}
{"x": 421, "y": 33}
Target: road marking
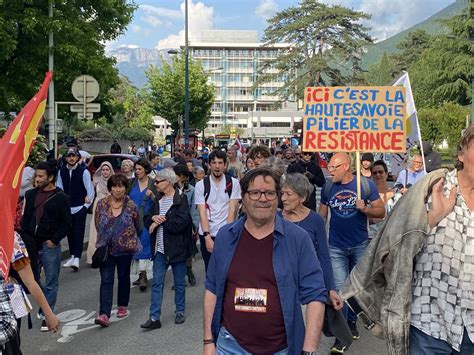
{"x": 75, "y": 318}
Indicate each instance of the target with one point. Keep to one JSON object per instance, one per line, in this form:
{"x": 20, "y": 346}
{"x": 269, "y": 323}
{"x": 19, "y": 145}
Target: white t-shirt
{"x": 218, "y": 202}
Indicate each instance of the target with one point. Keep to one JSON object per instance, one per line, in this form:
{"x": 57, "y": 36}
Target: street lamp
{"x": 186, "y": 76}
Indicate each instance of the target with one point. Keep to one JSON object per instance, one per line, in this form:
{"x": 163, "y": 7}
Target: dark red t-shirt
{"x": 41, "y": 199}
{"x": 252, "y": 310}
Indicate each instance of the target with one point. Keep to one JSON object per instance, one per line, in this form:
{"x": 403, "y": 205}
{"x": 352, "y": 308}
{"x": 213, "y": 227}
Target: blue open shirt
{"x": 297, "y": 271}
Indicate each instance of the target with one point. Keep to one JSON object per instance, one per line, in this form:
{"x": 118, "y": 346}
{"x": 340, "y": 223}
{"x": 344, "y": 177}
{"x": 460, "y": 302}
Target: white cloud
{"x": 135, "y": 28}
{"x": 200, "y": 18}
{"x": 161, "y": 11}
{"x": 266, "y": 9}
{"x": 152, "y": 20}
{"x": 392, "y": 16}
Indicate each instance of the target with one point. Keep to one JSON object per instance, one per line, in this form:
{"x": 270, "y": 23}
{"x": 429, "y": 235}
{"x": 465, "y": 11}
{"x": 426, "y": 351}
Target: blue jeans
{"x": 75, "y": 238}
{"x": 226, "y": 344}
{"x": 107, "y": 275}
{"x": 50, "y": 258}
{"x": 343, "y": 261}
{"x": 423, "y": 344}
{"x": 160, "y": 265}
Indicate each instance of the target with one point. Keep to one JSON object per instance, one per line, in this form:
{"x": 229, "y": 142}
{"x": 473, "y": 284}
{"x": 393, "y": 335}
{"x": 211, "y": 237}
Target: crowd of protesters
{"x": 278, "y": 228}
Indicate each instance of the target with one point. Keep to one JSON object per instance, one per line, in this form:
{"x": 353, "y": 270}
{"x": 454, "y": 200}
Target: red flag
{"x": 239, "y": 144}
{"x": 15, "y": 147}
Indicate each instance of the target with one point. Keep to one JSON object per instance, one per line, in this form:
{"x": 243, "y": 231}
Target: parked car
{"x": 114, "y": 159}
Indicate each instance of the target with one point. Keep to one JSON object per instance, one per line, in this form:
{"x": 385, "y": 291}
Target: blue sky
{"x": 160, "y": 23}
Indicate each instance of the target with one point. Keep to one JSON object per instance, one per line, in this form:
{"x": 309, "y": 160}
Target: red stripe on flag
{"x": 15, "y": 147}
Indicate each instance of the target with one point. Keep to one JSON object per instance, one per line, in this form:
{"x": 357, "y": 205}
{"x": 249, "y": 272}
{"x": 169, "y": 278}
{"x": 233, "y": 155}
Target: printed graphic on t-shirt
{"x": 343, "y": 203}
{"x": 250, "y": 300}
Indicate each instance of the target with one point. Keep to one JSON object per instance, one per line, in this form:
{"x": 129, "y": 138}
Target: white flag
{"x": 399, "y": 161}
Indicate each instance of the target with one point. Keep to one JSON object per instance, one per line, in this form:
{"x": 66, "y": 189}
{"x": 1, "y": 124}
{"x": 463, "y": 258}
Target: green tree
{"x": 80, "y": 27}
{"x": 166, "y": 88}
{"x": 326, "y": 44}
{"x": 444, "y": 70}
{"x": 409, "y": 50}
{"x": 443, "y": 123}
{"x": 380, "y": 74}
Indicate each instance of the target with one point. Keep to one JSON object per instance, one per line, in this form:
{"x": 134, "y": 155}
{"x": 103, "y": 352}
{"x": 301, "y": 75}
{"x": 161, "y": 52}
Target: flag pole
{"x": 358, "y": 174}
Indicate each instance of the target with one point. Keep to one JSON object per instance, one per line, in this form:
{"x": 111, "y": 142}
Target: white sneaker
{"x": 69, "y": 262}
{"x": 75, "y": 264}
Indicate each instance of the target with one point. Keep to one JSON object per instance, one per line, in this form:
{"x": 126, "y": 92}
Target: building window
{"x": 275, "y": 124}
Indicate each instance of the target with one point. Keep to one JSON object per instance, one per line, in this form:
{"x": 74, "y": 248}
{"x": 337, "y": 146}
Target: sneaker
{"x": 354, "y": 331}
{"x": 44, "y": 327}
{"x": 69, "y": 262}
{"x": 75, "y": 264}
{"x": 151, "y": 324}
{"x": 102, "y": 320}
{"x": 338, "y": 348}
{"x": 122, "y": 312}
{"x": 179, "y": 318}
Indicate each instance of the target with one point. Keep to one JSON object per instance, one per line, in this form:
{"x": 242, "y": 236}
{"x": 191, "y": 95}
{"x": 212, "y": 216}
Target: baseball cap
{"x": 72, "y": 151}
{"x": 367, "y": 157}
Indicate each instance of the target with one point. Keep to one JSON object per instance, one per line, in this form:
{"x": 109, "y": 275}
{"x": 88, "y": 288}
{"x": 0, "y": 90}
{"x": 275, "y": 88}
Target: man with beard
{"x": 217, "y": 199}
{"x": 46, "y": 220}
{"x": 75, "y": 180}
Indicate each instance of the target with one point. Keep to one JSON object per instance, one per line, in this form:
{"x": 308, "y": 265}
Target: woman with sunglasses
{"x": 309, "y": 167}
{"x": 170, "y": 226}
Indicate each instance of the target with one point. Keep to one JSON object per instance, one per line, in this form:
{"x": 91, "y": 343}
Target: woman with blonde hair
{"x": 127, "y": 168}
{"x": 100, "y": 178}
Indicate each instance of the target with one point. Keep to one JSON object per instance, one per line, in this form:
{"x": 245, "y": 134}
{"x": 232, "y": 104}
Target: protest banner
{"x": 354, "y": 119}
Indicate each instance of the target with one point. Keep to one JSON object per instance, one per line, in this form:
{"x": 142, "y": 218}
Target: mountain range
{"x": 132, "y": 61}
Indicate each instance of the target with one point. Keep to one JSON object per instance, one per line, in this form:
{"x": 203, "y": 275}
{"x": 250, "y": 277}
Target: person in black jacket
{"x": 170, "y": 227}
{"x": 46, "y": 220}
{"x": 309, "y": 167}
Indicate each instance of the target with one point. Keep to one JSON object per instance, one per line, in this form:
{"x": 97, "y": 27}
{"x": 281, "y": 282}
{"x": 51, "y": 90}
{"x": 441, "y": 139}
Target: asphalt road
{"x": 78, "y": 302}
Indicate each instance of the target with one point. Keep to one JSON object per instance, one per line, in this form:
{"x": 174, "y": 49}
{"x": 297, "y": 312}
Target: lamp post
{"x": 186, "y": 75}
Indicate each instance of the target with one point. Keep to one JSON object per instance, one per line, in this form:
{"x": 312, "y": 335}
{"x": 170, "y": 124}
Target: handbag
{"x": 100, "y": 256}
{"x": 19, "y": 300}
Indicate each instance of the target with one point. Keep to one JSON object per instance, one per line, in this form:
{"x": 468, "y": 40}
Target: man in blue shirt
{"x": 409, "y": 176}
{"x": 261, "y": 270}
{"x": 348, "y": 232}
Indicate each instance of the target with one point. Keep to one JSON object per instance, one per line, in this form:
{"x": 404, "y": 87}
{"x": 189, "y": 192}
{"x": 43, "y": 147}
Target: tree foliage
{"x": 380, "y": 74}
{"x": 445, "y": 69}
{"x": 80, "y": 27}
{"x": 443, "y": 123}
{"x": 409, "y": 50}
{"x": 326, "y": 44}
{"x": 166, "y": 88}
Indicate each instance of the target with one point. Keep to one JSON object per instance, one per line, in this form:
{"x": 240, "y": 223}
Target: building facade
{"x": 232, "y": 59}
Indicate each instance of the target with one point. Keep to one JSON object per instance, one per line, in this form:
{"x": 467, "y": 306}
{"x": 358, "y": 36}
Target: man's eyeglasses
{"x": 158, "y": 181}
{"x": 334, "y": 167}
{"x": 255, "y": 195}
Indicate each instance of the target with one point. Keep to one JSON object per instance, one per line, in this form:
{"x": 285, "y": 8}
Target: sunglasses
{"x": 378, "y": 172}
{"x": 158, "y": 181}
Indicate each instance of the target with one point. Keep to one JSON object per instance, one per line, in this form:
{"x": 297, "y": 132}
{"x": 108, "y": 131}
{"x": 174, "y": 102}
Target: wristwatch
{"x": 206, "y": 233}
{"x": 308, "y": 352}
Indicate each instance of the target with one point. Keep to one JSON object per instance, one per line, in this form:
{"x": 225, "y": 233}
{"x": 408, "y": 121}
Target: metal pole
{"x": 186, "y": 78}
{"x": 51, "y": 111}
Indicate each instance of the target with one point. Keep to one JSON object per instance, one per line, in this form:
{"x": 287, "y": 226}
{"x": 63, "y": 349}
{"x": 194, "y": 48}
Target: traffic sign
{"x": 88, "y": 116}
{"x": 90, "y": 107}
{"x": 85, "y": 88}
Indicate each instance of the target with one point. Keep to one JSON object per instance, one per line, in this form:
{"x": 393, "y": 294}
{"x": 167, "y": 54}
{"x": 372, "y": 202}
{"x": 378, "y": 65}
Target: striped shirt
{"x": 165, "y": 204}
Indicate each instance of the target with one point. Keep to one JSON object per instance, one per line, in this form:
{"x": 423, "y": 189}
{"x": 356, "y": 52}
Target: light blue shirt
{"x": 409, "y": 177}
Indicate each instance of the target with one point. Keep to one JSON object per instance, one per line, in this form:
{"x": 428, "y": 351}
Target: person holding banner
{"x": 348, "y": 234}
